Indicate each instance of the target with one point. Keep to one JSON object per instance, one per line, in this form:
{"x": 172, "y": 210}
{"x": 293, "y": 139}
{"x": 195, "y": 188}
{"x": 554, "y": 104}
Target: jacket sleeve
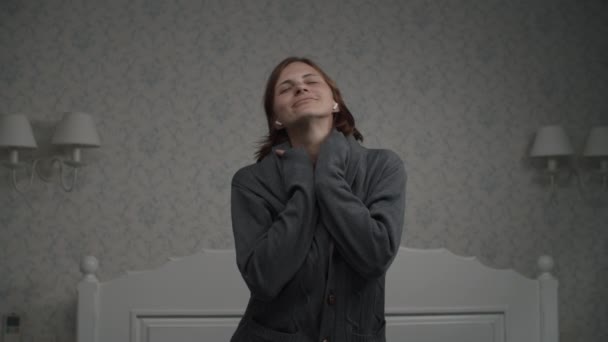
{"x": 270, "y": 252}
{"x": 367, "y": 235}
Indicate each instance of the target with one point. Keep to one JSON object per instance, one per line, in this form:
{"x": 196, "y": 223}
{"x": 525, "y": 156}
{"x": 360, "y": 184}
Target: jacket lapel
{"x": 355, "y": 157}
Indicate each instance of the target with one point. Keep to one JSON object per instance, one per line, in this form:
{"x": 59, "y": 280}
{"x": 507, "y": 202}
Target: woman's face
{"x": 301, "y": 93}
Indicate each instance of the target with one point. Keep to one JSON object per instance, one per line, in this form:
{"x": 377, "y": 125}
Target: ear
{"x": 335, "y": 108}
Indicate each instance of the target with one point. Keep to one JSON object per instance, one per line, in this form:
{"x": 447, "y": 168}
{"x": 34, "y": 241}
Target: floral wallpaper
{"x": 456, "y": 88}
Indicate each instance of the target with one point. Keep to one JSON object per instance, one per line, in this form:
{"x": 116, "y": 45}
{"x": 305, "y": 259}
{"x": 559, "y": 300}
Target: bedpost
{"x": 88, "y": 289}
{"x": 548, "y": 301}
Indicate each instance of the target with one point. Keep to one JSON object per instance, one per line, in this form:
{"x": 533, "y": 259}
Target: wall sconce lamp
{"x": 596, "y": 148}
{"x": 16, "y": 134}
{"x": 551, "y": 142}
{"x": 74, "y": 132}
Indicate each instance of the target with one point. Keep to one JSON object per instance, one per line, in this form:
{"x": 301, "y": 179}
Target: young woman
{"x": 317, "y": 220}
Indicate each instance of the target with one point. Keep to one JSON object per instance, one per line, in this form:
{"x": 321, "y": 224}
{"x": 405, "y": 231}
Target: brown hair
{"x": 343, "y": 120}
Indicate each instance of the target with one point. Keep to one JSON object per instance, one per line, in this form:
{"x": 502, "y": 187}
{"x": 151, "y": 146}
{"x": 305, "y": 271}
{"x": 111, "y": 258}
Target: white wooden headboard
{"x": 431, "y": 296}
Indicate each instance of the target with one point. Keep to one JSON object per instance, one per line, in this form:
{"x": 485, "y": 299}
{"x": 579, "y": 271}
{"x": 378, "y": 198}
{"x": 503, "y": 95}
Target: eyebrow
{"x": 290, "y": 81}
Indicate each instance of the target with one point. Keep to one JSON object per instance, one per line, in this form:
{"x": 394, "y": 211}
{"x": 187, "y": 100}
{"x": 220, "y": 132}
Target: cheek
{"x": 279, "y": 107}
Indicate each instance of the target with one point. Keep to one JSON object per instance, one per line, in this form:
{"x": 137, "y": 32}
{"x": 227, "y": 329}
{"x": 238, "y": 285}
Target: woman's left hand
{"x": 335, "y": 151}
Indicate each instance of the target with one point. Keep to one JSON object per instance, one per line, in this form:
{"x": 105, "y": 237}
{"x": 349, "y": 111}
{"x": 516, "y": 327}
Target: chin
{"x": 303, "y": 118}
{"x": 313, "y": 114}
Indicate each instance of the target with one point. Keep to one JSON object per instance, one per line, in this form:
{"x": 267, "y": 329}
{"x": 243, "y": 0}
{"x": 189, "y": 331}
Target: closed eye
{"x": 284, "y": 90}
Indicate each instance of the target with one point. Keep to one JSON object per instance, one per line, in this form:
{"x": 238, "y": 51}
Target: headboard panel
{"x": 431, "y": 295}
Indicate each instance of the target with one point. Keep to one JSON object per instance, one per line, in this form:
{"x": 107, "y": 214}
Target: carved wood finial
{"x": 88, "y": 266}
{"x": 545, "y": 263}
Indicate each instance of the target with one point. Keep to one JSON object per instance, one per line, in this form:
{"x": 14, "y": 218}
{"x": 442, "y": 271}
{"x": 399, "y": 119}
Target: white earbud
{"x": 335, "y": 106}
{"x": 278, "y": 123}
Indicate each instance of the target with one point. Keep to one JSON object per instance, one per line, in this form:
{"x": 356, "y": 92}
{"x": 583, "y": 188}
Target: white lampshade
{"x": 597, "y": 142}
{"x": 76, "y": 129}
{"x": 551, "y": 141}
{"x": 16, "y": 132}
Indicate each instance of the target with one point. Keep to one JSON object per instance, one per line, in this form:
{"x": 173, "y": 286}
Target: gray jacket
{"x": 313, "y": 243}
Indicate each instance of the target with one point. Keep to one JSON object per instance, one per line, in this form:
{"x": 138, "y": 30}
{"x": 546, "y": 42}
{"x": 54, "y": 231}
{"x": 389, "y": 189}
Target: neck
{"x": 310, "y": 135}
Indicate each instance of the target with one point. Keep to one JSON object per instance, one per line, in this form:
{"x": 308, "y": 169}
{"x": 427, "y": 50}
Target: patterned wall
{"x": 457, "y": 88}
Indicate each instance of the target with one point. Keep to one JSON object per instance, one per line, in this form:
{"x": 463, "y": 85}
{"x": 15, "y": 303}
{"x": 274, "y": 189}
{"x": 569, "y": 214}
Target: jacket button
{"x": 331, "y": 299}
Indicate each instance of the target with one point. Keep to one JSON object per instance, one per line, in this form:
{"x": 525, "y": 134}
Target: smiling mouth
{"x": 302, "y": 101}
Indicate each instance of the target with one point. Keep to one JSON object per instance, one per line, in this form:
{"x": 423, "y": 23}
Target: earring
{"x": 335, "y": 106}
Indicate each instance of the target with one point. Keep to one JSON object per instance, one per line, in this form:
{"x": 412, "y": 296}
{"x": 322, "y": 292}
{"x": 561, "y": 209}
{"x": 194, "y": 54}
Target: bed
{"x": 431, "y": 296}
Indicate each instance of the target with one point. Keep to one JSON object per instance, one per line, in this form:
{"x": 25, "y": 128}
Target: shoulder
{"x": 255, "y": 173}
{"x": 385, "y": 170}
{"x": 243, "y": 175}
{"x": 383, "y": 160}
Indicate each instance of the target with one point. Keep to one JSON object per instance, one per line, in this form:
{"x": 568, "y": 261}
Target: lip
{"x": 301, "y": 101}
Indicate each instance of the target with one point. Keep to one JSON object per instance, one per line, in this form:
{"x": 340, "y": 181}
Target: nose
{"x": 301, "y": 87}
